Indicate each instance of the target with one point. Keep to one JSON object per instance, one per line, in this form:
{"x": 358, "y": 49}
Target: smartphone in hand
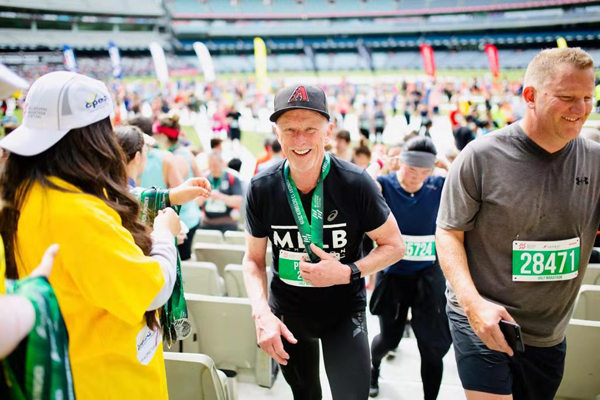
{"x": 512, "y": 334}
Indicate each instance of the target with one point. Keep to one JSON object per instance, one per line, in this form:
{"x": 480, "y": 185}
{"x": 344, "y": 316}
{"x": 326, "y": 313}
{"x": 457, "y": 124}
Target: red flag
{"x": 492, "y": 54}
{"x": 428, "y": 60}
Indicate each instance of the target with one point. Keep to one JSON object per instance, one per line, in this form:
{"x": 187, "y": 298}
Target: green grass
{"x": 594, "y": 117}
{"x": 254, "y": 142}
{"x": 192, "y": 135}
{"x": 511, "y": 75}
{"x": 19, "y": 114}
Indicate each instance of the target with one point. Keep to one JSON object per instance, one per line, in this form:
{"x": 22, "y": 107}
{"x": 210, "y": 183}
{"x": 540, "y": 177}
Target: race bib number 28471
{"x": 545, "y": 261}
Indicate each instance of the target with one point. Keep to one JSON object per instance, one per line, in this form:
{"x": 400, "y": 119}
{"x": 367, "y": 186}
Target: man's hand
{"x": 439, "y": 163}
{"x": 269, "y": 330}
{"x": 327, "y": 272}
{"x": 484, "y": 317}
{"x": 217, "y": 195}
{"x": 189, "y": 190}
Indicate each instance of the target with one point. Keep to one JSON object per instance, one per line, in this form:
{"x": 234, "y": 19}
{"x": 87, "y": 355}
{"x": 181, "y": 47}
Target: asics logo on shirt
{"x": 332, "y": 215}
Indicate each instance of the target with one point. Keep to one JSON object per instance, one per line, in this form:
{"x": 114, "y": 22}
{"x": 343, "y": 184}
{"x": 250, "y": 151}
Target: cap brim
{"x": 30, "y": 142}
{"x": 277, "y": 114}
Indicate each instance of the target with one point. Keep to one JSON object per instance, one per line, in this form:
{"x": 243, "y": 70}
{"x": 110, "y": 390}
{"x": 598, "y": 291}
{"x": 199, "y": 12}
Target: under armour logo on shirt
{"x": 299, "y": 95}
{"x": 582, "y": 181}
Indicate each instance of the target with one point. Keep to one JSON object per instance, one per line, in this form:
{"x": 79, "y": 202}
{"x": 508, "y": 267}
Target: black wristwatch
{"x": 355, "y": 275}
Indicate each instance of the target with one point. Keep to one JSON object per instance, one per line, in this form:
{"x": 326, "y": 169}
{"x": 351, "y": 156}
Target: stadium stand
{"x": 224, "y": 330}
{"x": 582, "y": 372}
{"x": 110, "y": 7}
{"x": 79, "y": 40}
{"x": 194, "y": 376}
{"x": 202, "y": 278}
{"x": 257, "y": 9}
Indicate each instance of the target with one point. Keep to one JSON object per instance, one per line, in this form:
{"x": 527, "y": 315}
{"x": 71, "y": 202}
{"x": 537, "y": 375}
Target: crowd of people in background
{"x": 140, "y": 141}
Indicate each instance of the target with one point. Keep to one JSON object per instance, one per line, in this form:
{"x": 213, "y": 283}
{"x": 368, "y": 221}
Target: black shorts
{"x": 235, "y": 134}
{"x": 533, "y": 375}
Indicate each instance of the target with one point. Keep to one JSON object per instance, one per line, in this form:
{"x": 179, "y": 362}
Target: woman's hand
{"x": 167, "y": 220}
{"x": 189, "y": 190}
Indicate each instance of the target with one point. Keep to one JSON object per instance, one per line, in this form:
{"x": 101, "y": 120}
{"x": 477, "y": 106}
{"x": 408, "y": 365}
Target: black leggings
{"x": 424, "y": 293}
{"x": 345, "y": 354}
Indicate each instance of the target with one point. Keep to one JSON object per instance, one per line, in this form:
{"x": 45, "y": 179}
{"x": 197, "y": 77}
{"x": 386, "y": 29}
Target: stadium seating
{"x": 592, "y": 275}
{"x": 114, "y": 7}
{"x": 582, "y": 366}
{"x": 208, "y": 236}
{"x": 83, "y": 40}
{"x": 342, "y": 8}
{"x": 195, "y": 377}
{"x": 223, "y": 254}
{"x": 234, "y": 280}
{"x": 220, "y": 254}
{"x": 224, "y": 330}
{"x": 202, "y": 278}
{"x": 235, "y": 237}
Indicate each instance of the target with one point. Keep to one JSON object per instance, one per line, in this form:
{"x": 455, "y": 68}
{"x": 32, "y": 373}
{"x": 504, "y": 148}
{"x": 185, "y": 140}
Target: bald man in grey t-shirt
{"x": 516, "y": 227}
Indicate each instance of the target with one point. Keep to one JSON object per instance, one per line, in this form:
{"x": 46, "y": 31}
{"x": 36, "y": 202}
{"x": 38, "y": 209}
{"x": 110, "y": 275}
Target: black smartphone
{"x": 512, "y": 334}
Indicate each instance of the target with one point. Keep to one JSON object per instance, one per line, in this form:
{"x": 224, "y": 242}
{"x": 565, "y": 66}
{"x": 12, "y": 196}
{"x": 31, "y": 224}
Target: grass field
{"x": 509, "y": 74}
{"x": 254, "y": 142}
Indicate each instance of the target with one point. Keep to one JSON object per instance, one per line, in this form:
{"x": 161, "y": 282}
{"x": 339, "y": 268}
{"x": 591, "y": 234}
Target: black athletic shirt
{"x": 353, "y": 206}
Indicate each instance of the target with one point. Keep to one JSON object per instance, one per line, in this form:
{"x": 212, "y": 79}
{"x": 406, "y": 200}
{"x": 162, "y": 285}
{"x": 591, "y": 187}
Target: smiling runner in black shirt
{"x": 315, "y": 209}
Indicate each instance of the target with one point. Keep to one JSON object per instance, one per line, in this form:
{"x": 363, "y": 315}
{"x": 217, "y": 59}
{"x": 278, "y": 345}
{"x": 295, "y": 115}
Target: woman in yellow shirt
{"x": 65, "y": 182}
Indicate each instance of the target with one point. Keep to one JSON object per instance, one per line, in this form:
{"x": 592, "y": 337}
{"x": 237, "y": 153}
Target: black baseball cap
{"x": 304, "y": 97}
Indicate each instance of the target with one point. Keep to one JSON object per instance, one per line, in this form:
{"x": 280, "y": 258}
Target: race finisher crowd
{"x": 481, "y": 248}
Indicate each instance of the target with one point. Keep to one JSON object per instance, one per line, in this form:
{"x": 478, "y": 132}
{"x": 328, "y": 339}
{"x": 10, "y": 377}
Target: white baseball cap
{"x": 56, "y": 103}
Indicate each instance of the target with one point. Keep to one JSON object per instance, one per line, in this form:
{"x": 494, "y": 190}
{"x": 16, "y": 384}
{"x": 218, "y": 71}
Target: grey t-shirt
{"x": 504, "y": 187}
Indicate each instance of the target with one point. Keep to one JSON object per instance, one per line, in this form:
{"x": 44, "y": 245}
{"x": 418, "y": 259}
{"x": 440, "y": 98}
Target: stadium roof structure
{"x": 390, "y": 26}
{"x": 138, "y": 8}
{"x": 332, "y": 9}
{"x": 79, "y": 40}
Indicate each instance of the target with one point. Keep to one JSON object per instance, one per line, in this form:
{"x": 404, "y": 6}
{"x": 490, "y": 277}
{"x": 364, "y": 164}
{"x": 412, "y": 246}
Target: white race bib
{"x": 545, "y": 261}
{"x": 289, "y": 268}
{"x": 419, "y": 248}
{"x": 215, "y": 206}
{"x": 147, "y": 342}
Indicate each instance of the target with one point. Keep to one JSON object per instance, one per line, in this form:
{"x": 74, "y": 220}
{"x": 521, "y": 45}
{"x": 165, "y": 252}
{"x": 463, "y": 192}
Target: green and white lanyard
{"x": 313, "y": 232}
{"x": 173, "y": 148}
{"x": 173, "y": 316}
{"x": 47, "y": 365}
{"x": 215, "y": 184}
{"x": 216, "y": 206}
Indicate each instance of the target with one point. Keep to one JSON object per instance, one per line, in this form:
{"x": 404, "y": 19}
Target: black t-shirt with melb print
{"x": 353, "y": 205}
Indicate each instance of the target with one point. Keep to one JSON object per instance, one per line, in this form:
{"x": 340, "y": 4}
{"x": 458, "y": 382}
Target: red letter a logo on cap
{"x": 299, "y": 95}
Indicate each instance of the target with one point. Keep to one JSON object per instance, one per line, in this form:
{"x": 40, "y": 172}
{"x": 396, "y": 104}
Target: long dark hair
{"x": 89, "y": 158}
{"x": 131, "y": 140}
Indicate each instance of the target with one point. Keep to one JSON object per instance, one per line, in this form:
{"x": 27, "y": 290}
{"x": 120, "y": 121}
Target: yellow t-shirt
{"x": 104, "y": 284}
